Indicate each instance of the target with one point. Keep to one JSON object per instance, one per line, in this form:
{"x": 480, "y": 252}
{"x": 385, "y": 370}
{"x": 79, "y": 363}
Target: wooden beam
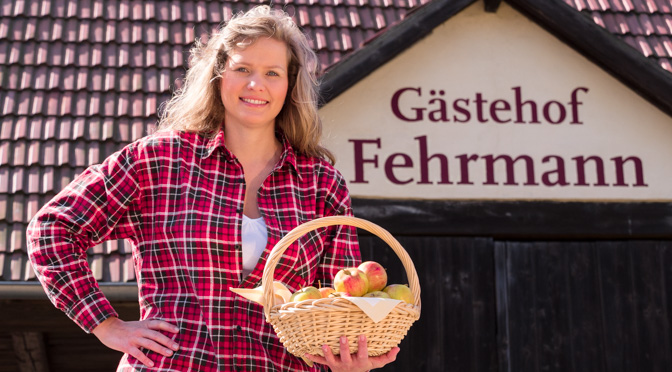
{"x": 520, "y": 219}
{"x": 491, "y": 6}
{"x": 31, "y": 354}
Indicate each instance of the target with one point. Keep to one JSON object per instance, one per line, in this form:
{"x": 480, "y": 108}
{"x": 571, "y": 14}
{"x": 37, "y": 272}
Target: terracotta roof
{"x": 80, "y": 79}
{"x": 646, "y": 25}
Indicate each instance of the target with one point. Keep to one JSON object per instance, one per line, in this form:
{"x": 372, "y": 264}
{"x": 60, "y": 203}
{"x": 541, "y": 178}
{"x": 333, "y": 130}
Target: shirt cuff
{"x": 91, "y": 310}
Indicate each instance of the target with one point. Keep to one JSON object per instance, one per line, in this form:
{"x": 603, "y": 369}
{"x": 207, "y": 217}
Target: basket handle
{"x": 299, "y": 231}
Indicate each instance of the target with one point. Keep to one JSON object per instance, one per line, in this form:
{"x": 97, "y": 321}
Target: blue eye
{"x": 241, "y": 69}
{"x": 273, "y": 73}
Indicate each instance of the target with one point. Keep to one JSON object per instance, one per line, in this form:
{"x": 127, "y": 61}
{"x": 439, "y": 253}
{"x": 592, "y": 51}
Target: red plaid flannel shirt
{"x": 178, "y": 197}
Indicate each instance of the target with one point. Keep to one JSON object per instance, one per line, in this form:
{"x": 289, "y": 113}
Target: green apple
{"x": 378, "y": 294}
{"x": 306, "y": 293}
{"x": 400, "y": 292}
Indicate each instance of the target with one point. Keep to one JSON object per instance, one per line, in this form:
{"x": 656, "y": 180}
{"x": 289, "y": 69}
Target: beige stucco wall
{"x": 478, "y": 52}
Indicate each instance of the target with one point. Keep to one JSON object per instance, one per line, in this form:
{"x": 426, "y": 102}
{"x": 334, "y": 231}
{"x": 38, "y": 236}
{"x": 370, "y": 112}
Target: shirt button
{"x": 239, "y": 328}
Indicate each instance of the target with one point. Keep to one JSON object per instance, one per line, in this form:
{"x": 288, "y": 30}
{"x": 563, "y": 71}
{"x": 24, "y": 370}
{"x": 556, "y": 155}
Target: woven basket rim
{"x": 297, "y": 232}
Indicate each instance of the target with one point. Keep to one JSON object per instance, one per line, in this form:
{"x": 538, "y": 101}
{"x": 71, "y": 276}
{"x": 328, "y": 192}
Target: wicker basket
{"x": 303, "y": 327}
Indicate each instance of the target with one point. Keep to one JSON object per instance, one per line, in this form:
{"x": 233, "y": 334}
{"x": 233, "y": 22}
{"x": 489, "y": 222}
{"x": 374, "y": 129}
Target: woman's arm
{"x": 94, "y": 207}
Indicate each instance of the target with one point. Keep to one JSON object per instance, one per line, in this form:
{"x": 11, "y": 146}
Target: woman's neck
{"x": 258, "y": 152}
{"x": 252, "y": 146}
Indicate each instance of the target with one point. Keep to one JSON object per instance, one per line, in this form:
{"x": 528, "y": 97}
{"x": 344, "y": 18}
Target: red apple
{"x": 378, "y": 294}
{"x": 351, "y": 280}
{"x": 376, "y": 275}
{"x": 325, "y": 291}
{"x": 400, "y": 292}
{"x": 306, "y": 293}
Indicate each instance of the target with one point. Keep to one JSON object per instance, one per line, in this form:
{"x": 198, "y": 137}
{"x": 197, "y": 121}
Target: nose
{"x": 254, "y": 83}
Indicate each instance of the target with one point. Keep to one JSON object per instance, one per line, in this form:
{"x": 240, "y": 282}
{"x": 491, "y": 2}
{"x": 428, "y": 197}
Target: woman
{"x": 235, "y": 165}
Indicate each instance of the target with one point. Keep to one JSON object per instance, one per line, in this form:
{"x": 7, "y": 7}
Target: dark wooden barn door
{"x": 518, "y": 306}
{"x": 457, "y": 328}
{"x": 584, "y": 306}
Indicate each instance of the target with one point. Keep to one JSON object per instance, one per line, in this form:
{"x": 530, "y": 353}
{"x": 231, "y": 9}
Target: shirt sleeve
{"x": 97, "y": 205}
{"x": 341, "y": 245}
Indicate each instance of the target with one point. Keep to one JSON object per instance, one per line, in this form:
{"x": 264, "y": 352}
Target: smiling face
{"x": 254, "y": 84}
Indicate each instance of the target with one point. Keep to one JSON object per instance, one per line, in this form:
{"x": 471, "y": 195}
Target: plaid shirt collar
{"x": 219, "y": 141}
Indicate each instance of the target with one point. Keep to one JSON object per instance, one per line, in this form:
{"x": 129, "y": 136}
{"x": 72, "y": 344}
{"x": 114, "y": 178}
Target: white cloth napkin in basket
{"x": 376, "y": 308}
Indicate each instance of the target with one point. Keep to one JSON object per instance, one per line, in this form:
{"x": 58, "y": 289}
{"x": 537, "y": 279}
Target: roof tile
{"x": 80, "y": 154}
{"x": 81, "y": 103}
{"x": 94, "y": 104}
{"x": 7, "y": 128}
{"x": 175, "y": 11}
{"x": 14, "y": 52}
{"x": 164, "y": 81}
{"x": 137, "y": 10}
{"x": 137, "y": 105}
{"x": 98, "y": 9}
{"x": 4, "y": 27}
{"x": 19, "y": 158}
{"x": 124, "y": 9}
{"x": 4, "y": 210}
{"x": 124, "y": 127}
{"x": 16, "y": 262}
{"x": 10, "y": 102}
{"x": 33, "y": 158}
{"x": 47, "y": 179}
{"x": 24, "y": 103}
{"x": 17, "y": 210}
{"x": 659, "y": 25}
{"x": 35, "y": 128}
{"x": 38, "y": 103}
{"x": 124, "y": 32}
{"x": 150, "y": 33}
{"x": 58, "y": 9}
{"x": 31, "y": 29}
{"x": 124, "y": 53}
{"x": 4, "y": 53}
{"x": 137, "y": 33}
{"x": 70, "y": 54}
{"x": 647, "y": 24}
{"x": 215, "y": 12}
{"x": 20, "y": 129}
{"x": 63, "y": 155}
{"x": 44, "y": 29}
{"x": 138, "y": 56}
{"x": 19, "y": 7}
{"x": 13, "y": 77}
{"x": 665, "y": 63}
{"x": 664, "y": 6}
{"x": 4, "y": 152}
{"x": 6, "y": 9}
{"x": 26, "y": 78}
{"x": 49, "y": 128}
{"x": 16, "y": 184}
{"x": 4, "y": 179}
{"x": 667, "y": 44}
{"x": 137, "y": 80}
{"x": 33, "y": 188}
{"x": 94, "y": 154}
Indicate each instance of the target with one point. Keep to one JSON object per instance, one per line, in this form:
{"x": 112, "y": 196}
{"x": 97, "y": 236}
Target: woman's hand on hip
{"x": 131, "y": 337}
{"x": 346, "y": 362}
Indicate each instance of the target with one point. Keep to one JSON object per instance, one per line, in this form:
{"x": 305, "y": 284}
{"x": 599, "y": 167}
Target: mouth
{"x": 253, "y": 101}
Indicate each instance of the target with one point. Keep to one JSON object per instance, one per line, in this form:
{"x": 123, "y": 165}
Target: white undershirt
{"x": 255, "y": 237}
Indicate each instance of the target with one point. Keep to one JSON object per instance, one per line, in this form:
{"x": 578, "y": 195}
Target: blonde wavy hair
{"x": 197, "y": 105}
